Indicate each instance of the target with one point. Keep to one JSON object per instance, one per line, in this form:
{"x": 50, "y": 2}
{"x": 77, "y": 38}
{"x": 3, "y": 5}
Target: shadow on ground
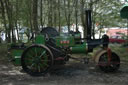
{"x": 70, "y": 74}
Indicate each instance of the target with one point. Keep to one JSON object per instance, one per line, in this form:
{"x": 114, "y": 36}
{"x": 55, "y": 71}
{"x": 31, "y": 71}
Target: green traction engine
{"x": 51, "y": 48}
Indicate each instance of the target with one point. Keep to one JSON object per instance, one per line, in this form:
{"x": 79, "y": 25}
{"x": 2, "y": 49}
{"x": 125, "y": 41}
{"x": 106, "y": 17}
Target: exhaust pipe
{"x": 88, "y": 24}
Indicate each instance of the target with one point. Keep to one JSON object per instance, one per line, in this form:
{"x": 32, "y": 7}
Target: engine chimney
{"x": 88, "y": 23}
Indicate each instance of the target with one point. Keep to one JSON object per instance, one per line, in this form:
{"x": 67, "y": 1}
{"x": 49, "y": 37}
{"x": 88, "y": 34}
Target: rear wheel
{"x": 109, "y": 66}
{"x": 37, "y": 60}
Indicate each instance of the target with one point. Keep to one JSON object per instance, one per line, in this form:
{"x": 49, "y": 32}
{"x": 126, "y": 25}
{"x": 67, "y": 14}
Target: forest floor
{"x": 73, "y": 73}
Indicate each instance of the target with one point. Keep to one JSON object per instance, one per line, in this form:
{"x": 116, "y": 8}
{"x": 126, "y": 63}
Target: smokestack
{"x": 88, "y": 24}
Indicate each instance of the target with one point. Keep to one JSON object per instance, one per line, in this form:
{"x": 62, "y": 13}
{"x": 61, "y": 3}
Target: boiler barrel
{"x": 79, "y": 49}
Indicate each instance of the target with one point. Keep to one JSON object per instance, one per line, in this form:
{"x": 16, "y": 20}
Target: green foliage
{"x": 56, "y": 13}
{"x": 107, "y": 13}
{"x": 121, "y": 51}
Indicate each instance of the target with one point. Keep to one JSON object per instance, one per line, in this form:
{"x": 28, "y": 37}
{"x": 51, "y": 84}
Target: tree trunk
{"x": 9, "y": 15}
{"x": 41, "y": 13}
{"x": 68, "y": 13}
{"x": 35, "y": 16}
{"x": 4, "y": 19}
{"x": 59, "y": 18}
{"x": 30, "y": 5}
{"x": 50, "y": 13}
{"x": 93, "y": 22}
{"x": 55, "y": 13}
{"x": 83, "y": 18}
{"x": 76, "y": 14}
{"x": 16, "y": 20}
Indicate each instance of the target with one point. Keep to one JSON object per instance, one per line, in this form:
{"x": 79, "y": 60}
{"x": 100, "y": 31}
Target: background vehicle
{"x": 117, "y": 39}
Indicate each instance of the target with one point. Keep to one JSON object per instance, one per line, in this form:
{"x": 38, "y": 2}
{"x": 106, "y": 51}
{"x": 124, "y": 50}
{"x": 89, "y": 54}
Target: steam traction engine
{"x": 51, "y": 48}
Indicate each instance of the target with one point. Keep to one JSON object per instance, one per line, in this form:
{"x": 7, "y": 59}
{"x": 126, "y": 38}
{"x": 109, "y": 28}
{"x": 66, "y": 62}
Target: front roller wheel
{"x": 36, "y": 60}
{"x": 109, "y": 66}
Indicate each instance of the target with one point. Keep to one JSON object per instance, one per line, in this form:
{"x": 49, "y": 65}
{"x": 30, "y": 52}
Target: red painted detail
{"x": 61, "y": 42}
{"x": 109, "y": 52}
{"x": 65, "y": 42}
{"x": 114, "y": 40}
{"x": 59, "y": 58}
{"x": 68, "y": 42}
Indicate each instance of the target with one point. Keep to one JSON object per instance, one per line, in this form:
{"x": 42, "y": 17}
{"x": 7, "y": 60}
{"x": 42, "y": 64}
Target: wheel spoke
{"x": 42, "y": 54}
{"x": 46, "y": 64}
{"x": 29, "y": 62}
{"x": 31, "y": 52}
{"x": 36, "y": 60}
{"x": 39, "y": 69}
{"x": 35, "y": 51}
{"x": 29, "y": 55}
{"x": 32, "y": 65}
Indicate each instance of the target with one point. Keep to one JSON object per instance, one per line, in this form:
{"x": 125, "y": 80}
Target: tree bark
{"x": 55, "y": 13}
{"x": 59, "y": 17}
{"x": 16, "y": 20}
{"x": 35, "y": 16}
{"x": 76, "y": 14}
{"x": 41, "y": 13}
{"x": 68, "y": 13}
{"x": 4, "y": 19}
{"x": 83, "y": 18}
{"x": 50, "y": 13}
{"x": 10, "y": 19}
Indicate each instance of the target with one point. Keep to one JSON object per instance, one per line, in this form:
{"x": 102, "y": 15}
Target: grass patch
{"x": 121, "y": 51}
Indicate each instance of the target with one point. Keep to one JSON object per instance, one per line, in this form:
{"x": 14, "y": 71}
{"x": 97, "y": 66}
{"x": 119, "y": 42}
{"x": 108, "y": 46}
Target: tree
{"x": 9, "y": 9}
{"x": 17, "y": 14}
{"x": 68, "y": 4}
{"x": 35, "y": 15}
{"x": 4, "y": 17}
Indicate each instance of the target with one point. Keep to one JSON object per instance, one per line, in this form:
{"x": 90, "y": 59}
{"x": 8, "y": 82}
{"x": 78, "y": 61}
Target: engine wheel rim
{"x": 36, "y": 60}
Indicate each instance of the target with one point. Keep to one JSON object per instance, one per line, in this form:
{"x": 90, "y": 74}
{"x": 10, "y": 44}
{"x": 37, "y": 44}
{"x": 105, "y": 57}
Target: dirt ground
{"x": 73, "y": 73}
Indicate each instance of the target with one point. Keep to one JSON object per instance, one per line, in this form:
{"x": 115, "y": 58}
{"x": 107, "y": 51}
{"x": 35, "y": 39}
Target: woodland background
{"x": 36, "y": 14}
